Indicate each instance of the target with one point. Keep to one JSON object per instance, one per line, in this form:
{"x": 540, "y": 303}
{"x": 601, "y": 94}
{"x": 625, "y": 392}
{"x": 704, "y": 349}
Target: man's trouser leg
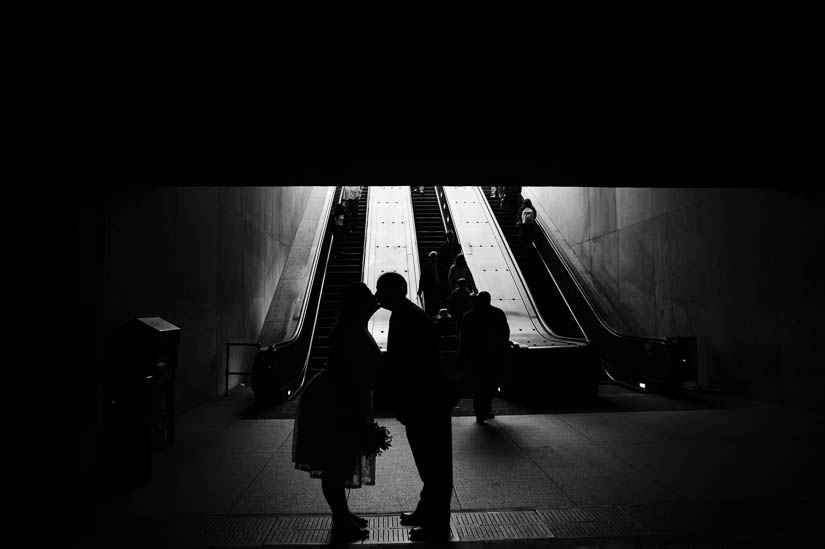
{"x": 417, "y": 437}
{"x": 431, "y": 445}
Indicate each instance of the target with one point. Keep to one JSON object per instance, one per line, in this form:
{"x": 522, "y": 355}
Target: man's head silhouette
{"x": 390, "y": 290}
{"x": 483, "y": 299}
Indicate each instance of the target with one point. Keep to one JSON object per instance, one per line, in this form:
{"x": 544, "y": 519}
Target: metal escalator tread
{"x": 549, "y": 302}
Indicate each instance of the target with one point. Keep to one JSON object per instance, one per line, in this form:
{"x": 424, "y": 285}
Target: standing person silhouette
{"x": 334, "y": 410}
{"x": 527, "y": 220}
{"x": 423, "y": 400}
{"x": 449, "y": 249}
{"x": 433, "y": 284}
{"x": 459, "y": 269}
{"x": 459, "y": 302}
{"x": 338, "y": 229}
{"x": 513, "y": 199}
{"x": 351, "y": 195}
{"x": 482, "y": 346}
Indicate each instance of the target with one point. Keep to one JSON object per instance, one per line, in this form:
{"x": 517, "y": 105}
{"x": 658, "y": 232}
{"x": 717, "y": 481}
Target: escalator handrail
{"x": 366, "y": 227}
{"x": 327, "y": 251}
{"x": 442, "y": 206}
{"x": 417, "y": 261}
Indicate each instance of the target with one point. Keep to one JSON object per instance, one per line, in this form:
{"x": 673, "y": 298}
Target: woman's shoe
{"x": 428, "y": 533}
{"x": 360, "y": 522}
{"x": 411, "y": 519}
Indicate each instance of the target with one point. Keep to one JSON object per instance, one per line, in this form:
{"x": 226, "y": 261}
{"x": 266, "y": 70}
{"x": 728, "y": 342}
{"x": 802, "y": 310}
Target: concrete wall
{"x": 207, "y": 259}
{"x": 735, "y": 267}
{"x": 284, "y": 316}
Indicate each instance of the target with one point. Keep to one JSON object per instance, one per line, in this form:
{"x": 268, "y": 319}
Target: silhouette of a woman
{"x": 334, "y": 410}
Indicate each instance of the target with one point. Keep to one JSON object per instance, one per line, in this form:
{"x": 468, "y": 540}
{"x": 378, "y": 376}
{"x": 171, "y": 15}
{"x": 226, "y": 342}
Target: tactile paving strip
{"x": 593, "y": 514}
{"x": 473, "y": 526}
{"x": 596, "y": 529}
{"x": 215, "y": 531}
{"x": 495, "y": 517}
{"x": 304, "y": 523}
{"x": 301, "y": 531}
{"x": 592, "y": 522}
{"x": 298, "y": 537}
{"x": 388, "y": 521}
{"x": 503, "y": 531}
{"x": 388, "y": 535}
{"x": 238, "y": 532}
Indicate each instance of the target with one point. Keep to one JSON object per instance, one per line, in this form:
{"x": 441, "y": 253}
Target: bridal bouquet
{"x": 376, "y": 438}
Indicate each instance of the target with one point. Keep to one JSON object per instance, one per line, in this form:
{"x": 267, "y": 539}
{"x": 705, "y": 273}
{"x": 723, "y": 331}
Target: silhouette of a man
{"x": 459, "y": 302}
{"x": 433, "y": 284}
{"x": 423, "y": 401}
{"x": 483, "y": 346}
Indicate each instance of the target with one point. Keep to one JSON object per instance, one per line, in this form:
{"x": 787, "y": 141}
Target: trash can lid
{"x": 158, "y": 324}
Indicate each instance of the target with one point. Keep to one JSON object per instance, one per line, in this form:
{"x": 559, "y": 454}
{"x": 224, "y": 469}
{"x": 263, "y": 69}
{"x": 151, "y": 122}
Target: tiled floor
{"x": 731, "y": 468}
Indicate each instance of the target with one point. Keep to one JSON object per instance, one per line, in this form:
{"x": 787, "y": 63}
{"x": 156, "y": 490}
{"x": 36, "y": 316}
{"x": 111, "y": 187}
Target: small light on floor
{"x": 288, "y": 393}
{"x": 642, "y": 385}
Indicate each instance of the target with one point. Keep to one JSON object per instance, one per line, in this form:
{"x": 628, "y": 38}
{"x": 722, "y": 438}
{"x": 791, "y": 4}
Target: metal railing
{"x": 227, "y": 372}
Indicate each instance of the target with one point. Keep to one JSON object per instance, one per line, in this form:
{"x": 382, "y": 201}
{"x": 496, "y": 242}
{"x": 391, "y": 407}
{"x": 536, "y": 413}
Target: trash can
{"x": 158, "y": 341}
{"x": 138, "y": 400}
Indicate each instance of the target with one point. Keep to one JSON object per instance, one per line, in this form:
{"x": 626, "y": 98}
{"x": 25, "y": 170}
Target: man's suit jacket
{"x": 413, "y": 364}
{"x": 426, "y": 281}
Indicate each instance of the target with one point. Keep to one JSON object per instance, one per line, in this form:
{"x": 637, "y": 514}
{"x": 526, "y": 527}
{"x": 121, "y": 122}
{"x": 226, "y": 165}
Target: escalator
{"x": 640, "y": 363}
{"x": 549, "y": 300}
{"x": 430, "y": 233}
{"x": 342, "y": 270}
{"x": 280, "y": 370}
{"x": 544, "y": 368}
{"x": 429, "y": 225}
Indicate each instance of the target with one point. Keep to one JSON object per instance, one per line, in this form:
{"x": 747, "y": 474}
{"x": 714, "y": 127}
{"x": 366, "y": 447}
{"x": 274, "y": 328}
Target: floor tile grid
{"x": 672, "y": 486}
{"x": 261, "y": 472}
{"x": 537, "y": 464}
